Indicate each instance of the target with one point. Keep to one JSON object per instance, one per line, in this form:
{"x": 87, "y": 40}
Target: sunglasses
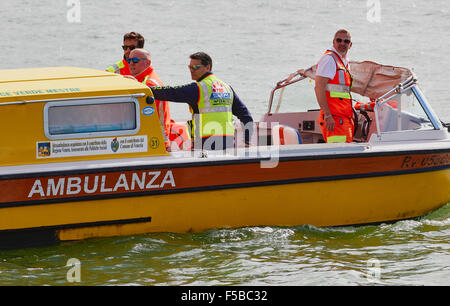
{"x": 194, "y": 67}
{"x": 135, "y": 60}
{"x": 128, "y": 47}
{"x": 347, "y": 41}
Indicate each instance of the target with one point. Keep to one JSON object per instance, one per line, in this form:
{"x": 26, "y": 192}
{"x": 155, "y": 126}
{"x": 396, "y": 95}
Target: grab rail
{"x": 281, "y": 84}
{"x": 137, "y": 95}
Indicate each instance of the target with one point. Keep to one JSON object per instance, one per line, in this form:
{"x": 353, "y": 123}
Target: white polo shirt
{"x": 326, "y": 67}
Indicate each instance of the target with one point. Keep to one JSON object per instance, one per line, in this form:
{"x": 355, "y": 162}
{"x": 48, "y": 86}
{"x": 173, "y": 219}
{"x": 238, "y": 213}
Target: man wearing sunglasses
{"x": 131, "y": 41}
{"x": 212, "y": 104}
{"x": 333, "y": 82}
{"x": 141, "y": 69}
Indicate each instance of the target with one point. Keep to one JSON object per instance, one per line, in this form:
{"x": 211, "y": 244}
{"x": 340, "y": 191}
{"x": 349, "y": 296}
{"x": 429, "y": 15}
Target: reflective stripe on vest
{"x": 215, "y": 116}
{"x": 335, "y": 139}
{"x": 339, "y": 91}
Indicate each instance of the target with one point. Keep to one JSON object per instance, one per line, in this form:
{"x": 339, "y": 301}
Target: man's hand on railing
{"x": 294, "y": 74}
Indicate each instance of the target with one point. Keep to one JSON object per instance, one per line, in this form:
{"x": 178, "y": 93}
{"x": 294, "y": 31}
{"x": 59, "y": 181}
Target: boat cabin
{"x": 70, "y": 114}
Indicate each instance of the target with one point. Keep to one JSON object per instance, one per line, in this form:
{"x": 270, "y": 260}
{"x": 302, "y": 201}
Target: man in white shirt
{"x": 326, "y": 71}
{"x": 332, "y": 88}
{"x": 326, "y": 66}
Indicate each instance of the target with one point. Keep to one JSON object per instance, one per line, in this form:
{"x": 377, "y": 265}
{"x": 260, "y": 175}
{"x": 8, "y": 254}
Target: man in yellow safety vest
{"x": 212, "y": 104}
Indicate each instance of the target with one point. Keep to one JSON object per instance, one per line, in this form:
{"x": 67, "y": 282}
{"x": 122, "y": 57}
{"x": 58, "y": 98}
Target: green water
{"x": 411, "y": 252}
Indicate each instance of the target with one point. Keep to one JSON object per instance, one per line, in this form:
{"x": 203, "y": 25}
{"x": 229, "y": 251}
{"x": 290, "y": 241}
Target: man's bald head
{"x": 144, "y": 61}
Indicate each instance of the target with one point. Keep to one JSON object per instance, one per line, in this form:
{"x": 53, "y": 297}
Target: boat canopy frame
{"x": 408, "y": 85}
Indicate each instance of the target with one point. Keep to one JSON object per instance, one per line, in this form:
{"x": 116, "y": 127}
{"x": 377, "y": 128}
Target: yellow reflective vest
{"x": 121, "y": 67}
{"x": 215, "y": 102}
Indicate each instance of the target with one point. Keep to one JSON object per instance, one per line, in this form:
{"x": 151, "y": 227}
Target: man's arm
{"x": 326, "y": 70}
{"x": 320, "y": 89}
{"x": 186, "y": 93}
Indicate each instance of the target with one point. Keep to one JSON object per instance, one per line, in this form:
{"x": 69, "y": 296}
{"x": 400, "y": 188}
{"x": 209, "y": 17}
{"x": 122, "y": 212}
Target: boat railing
{"x": 399, "y": 90}
{"x": 390, "y": 95}
{"x": 281, "y": 85}
{"x": 394, "y": 117}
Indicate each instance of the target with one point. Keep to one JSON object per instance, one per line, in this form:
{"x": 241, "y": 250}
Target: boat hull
{"x": 325, "y": 191}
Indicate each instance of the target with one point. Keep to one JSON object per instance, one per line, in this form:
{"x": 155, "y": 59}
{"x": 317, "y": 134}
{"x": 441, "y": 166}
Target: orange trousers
{"x": 343, "y": 129}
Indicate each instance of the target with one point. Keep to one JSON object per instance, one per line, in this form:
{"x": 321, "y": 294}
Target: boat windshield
{"x": 403, "y": 112}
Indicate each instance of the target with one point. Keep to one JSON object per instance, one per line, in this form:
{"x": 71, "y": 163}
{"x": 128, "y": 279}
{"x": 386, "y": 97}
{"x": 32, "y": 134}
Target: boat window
{"x": 90, "y": 118}
{"x": 403, "y": 112}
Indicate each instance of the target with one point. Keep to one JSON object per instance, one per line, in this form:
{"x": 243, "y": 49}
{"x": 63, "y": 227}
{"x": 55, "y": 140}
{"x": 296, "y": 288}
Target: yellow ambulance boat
{"x": 82, "y": 155}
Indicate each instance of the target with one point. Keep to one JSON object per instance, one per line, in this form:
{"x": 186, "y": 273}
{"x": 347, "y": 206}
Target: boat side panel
{"x": 100, "y": 184}
{"x": 328, "y": 203}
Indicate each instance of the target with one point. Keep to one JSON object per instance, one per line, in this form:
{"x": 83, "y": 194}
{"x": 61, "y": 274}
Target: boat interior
{"x": 387, "y": 101}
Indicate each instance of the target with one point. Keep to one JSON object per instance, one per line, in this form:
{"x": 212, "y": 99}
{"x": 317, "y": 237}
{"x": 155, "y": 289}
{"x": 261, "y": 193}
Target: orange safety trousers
{"x": 343, "y": 129}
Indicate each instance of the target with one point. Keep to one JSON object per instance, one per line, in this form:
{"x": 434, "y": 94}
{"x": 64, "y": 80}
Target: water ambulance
{"x": 82, "y": 155}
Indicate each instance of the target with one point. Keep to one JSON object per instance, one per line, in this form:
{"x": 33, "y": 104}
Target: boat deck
{"x": 237, "y": 155}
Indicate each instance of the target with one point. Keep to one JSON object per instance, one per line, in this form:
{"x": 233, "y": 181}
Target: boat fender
{"x": 284, "y": 135}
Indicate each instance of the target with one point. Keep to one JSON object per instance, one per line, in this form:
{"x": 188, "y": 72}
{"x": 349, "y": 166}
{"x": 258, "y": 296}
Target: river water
{"x": 253, "y": 44}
